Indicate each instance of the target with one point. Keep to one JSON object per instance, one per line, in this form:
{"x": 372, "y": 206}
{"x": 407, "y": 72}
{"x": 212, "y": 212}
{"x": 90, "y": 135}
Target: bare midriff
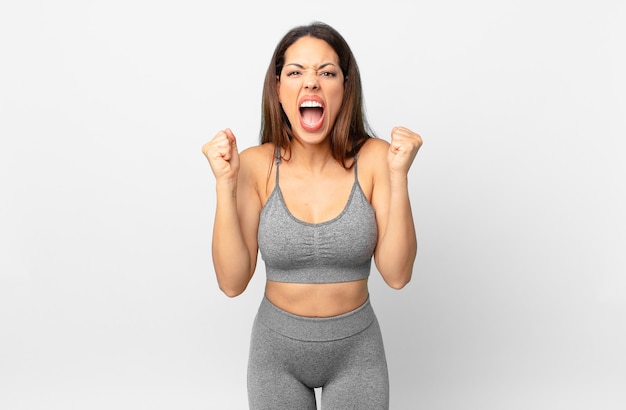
{"x": 317, "y": 299}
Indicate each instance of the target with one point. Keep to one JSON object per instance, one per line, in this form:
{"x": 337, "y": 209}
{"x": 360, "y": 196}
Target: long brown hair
{"x": 351, "y": 129}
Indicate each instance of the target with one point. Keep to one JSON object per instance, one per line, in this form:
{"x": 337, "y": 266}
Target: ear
{"x": 278, "y": 87}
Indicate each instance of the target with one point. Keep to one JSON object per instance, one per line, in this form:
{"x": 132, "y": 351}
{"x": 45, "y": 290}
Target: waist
{"x": 315, "y": 328}
{"x": 317, "y": 300}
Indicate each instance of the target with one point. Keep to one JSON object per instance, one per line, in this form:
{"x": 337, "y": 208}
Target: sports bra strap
{"x": 277, "y": 160}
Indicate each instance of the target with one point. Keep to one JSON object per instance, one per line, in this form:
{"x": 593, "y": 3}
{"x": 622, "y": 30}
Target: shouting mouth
{"x": 311, "y": 114}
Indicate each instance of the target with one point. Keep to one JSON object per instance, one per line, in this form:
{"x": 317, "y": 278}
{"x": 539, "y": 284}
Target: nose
{"x": 310, "y": 82}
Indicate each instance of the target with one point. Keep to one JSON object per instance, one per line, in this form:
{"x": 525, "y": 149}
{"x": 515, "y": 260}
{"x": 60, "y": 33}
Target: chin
{"x": 313, "y": 138}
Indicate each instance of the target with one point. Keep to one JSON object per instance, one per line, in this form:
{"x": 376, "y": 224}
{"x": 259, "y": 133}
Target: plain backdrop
{"x": 108, "y": 298}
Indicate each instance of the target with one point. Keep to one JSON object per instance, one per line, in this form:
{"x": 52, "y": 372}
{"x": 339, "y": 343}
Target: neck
{"x": 311, "y": 157}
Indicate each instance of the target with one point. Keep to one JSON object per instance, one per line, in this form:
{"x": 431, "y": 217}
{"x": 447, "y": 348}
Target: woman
{"x": 319, "y": 197}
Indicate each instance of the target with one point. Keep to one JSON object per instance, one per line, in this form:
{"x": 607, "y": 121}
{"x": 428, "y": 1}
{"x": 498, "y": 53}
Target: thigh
{"x": 272, "y": 383}
{"x": 362, "y": 381}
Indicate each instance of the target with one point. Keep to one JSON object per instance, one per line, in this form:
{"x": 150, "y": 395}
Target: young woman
{"x": 318, "y": 197}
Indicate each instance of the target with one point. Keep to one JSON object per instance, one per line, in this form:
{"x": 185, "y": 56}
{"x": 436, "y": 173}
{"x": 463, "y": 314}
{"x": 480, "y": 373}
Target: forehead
{"x": 310, "y": 50}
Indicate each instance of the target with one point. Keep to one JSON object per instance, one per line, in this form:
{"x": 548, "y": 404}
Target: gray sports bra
{"x": 338, "y": 250}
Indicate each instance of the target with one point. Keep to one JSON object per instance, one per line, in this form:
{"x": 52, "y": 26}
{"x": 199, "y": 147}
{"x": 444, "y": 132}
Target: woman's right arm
{"x": 236, "y": 223}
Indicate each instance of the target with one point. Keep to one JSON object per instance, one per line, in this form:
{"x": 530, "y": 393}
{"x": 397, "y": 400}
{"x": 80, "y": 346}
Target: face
{"x": 310, "y": 89}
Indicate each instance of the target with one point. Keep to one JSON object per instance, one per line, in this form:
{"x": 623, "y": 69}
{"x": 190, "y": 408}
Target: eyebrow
{"x": 323, "y": 65}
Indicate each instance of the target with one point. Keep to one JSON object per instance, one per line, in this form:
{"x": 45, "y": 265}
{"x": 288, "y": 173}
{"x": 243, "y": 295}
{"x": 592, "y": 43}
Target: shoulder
{"x": 258, "y": 151}
{"x": 372, "y": 165}
{"x": 373, "y": 153}
{"x": 255, "y": 163}
{"x": 257, "y": 158}
{"x": 374, "y": 147}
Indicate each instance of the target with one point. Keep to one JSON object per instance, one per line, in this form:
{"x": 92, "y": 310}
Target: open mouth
{"x": 311, "y": 115}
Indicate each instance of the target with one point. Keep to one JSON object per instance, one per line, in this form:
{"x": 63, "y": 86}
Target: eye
{"x": 328, "y": 74}
{"x": 293, "y": 73}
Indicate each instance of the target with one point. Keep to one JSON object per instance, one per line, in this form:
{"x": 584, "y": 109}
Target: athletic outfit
{"x": 290, "y": 355}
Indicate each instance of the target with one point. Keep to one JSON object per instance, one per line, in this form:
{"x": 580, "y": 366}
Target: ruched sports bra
{"x": 338, "y": 250}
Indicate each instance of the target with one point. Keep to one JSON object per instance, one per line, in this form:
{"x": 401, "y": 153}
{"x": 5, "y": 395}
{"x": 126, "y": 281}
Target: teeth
{"x": 310, "y": 104}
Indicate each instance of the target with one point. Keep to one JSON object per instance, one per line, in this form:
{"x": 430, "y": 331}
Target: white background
{"x": 108, "y": 299}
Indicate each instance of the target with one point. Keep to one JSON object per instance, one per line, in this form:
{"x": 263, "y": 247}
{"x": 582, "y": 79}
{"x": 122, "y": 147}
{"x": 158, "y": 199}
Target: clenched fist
{"x": 402, "y": 150}
{"x": 223, "y": 156}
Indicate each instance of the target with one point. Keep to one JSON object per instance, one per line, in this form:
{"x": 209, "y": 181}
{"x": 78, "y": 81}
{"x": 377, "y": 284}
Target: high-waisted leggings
{"x": 291, "y": 355}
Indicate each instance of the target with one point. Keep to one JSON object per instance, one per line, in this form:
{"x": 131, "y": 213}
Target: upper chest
{"x": 315, "y": 198}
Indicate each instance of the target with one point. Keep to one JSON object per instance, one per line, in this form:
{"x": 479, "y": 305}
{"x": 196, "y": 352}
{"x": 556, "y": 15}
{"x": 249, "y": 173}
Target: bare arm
{"x": 236, "y": 216}
{"x": 397, "y": 244}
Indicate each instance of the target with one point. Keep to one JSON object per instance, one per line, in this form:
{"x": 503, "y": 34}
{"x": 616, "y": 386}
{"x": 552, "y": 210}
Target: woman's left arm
{"x": 397, "y": 244}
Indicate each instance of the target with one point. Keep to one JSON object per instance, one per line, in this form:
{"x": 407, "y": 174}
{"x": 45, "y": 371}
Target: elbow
{"x": 232, "y": 289}
{"x": 400, "y": 279}
{"x": 232, "y": 283}
{"x": 396, "y": 277}
{"x": 231, "y": 292}
{"x": 399, "y": 283}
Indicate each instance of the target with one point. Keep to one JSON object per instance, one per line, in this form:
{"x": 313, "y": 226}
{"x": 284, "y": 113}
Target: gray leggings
{"x": 291, "y": 355}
